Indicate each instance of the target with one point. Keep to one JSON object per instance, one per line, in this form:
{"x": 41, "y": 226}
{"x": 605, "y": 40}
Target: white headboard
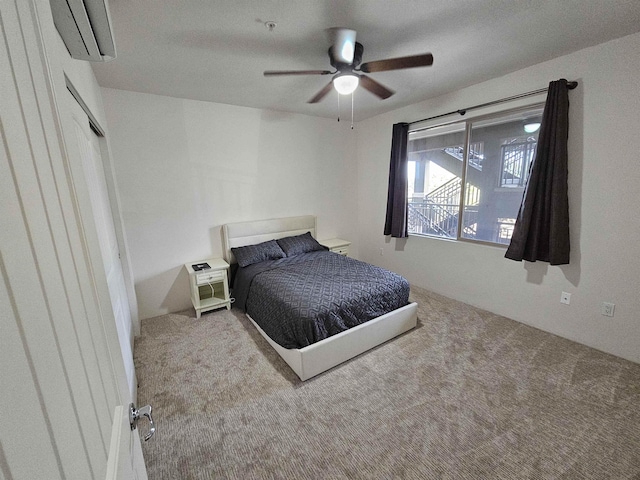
{"x": 248, "y": 233}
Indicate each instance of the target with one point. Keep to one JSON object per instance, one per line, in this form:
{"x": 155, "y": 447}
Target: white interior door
{"x": 89, "y": 152}
{"x": 63, "y": 387}
{"x": 125, "y": 455}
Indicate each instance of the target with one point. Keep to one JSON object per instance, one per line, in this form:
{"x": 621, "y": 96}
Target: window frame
{"x": 463, "y": 189}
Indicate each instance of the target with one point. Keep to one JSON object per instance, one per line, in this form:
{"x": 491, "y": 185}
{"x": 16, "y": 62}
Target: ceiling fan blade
{"x": 343, "y": 44}
{"x": 273, "y": 73}
{"x": 412, "y": 61}
{"x": 322, "y": 93}
{"x": 374, "y": 87}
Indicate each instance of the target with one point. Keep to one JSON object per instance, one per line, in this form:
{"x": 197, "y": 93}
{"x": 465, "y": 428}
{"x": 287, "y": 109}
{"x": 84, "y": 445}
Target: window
{"x": 466, "y": 179}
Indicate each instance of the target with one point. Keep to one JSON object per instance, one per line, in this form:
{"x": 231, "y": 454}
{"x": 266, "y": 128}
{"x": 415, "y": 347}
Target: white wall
{"x": 604, "y": 197}
{"x": 185, "y": 167}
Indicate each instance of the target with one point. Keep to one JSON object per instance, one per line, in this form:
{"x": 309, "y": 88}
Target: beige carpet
{"x": 466, "y": 395}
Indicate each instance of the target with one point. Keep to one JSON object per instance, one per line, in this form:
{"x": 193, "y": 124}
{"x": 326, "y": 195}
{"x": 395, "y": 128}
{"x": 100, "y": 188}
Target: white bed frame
{"x": 314, "y": 359}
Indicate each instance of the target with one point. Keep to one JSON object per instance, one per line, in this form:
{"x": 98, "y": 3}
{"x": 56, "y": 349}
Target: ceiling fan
{"x": 345, "y": 56}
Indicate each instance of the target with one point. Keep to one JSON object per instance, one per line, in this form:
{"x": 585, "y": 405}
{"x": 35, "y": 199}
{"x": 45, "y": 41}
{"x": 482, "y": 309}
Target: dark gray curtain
{"x": 396, "y": 222}
{"x": 541, "y": 231}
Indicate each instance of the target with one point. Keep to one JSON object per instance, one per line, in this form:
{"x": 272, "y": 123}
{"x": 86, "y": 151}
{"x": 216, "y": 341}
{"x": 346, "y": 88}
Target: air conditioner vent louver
{"x": 85, "y": 28}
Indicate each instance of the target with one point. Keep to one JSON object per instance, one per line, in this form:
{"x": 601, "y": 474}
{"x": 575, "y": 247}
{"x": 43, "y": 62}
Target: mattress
{"x": 306, "y": 298}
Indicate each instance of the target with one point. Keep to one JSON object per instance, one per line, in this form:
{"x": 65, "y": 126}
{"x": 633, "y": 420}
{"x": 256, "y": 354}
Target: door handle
{"x": 136, "y": 413}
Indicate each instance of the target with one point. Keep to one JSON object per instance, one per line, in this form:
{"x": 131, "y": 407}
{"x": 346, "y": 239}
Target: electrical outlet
{"x": 608, "y": 308}
{"x": 565, "y": 298}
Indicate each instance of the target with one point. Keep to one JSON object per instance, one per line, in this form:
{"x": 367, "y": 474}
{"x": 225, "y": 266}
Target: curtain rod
{"x": 462, "y": 111}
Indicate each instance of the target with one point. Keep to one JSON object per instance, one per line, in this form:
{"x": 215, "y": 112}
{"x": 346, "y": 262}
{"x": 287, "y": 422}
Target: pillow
{"x": 259, "y": 252}
{"x": 299, "y": 244}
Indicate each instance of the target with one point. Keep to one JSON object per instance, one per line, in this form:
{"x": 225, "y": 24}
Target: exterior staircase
{"x": 437, "y": 214}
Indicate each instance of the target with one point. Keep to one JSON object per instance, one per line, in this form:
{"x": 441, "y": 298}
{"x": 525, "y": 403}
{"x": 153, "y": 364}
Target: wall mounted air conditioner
{"x": 85, "y": 28}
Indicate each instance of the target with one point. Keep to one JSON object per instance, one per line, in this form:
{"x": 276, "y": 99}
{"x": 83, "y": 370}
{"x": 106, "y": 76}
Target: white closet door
{"x": 89, "y": 153}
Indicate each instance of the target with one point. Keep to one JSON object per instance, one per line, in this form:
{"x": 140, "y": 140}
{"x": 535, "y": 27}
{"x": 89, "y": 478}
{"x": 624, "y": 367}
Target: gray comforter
{"x": 300, "y": 300}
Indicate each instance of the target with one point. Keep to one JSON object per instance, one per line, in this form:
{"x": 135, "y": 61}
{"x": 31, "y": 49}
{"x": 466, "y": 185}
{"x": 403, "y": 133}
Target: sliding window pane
{"x": 504, "y": 148}
{"x": 435, "y": 169}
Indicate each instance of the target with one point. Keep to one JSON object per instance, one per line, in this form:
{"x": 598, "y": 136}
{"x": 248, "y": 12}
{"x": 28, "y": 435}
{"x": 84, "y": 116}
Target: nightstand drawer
{"x": 341, "y": 250}
{"x": 209, "y": 277}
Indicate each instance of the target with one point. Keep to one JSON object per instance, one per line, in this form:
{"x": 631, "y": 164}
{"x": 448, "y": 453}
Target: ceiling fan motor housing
{"x": 340, "y": 66}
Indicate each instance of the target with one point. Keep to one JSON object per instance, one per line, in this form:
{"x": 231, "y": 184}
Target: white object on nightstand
{"x": 209, "y": 287}
{"x": 337, "y": 245}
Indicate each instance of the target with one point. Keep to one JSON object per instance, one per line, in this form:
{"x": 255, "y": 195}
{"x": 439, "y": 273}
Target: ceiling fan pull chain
{"x": 352, "y": 94}
{"x": 338, "y": 107}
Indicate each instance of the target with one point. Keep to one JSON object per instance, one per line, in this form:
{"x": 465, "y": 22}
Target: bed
{"x": 308, "y": 354}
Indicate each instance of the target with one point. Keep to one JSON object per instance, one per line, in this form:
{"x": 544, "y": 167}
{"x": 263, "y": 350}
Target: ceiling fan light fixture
{"x": 531, "y": 127}
{"x": 346, "y": 83}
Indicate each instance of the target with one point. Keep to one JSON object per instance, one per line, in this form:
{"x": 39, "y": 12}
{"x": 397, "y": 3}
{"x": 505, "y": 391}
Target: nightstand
{"x": 209, "y": 287}
{"x": 337, "y": 245}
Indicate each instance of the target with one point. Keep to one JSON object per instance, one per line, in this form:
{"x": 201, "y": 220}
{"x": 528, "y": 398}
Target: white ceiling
{"x": 216, "y": 50}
